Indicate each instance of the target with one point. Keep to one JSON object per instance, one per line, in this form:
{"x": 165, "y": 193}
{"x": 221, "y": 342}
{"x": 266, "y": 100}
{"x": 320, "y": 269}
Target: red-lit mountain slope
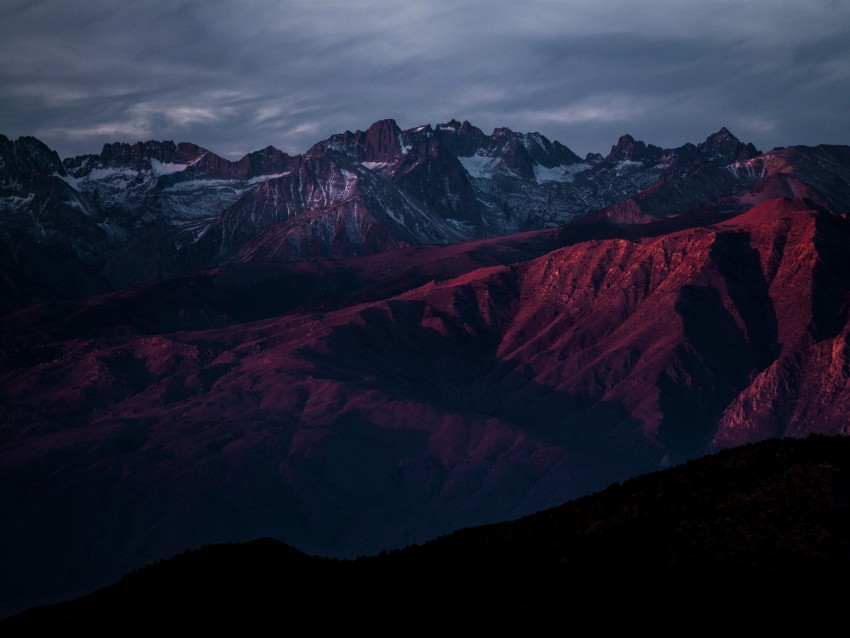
{"x": 512, "y": 378}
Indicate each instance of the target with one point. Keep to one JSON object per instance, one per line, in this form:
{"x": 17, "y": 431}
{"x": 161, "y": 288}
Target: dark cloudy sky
{"x": 237, "y": 76}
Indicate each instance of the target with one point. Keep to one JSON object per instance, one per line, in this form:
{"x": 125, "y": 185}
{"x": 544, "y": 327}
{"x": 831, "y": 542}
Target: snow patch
{"x": 563, "y": 173}
{"x": 350, "y": 182}
{"x": 75, "y": 203}
{"x": 481, "y": 166}
{"x": 554, "y": 174}
{"x": 166, "y": 169}
{"x": 623, "y": 164}
{"x": 373, "y": 165}
{"x": 404, "y": 149}
{"x": 70, "y": 181}
{"x": 193, "y": 184}
{"x": 13, "y": 201}
{"x": 197, "y": 159}
{"x": 753, "y": 168}
{"x": 265, "y": 178}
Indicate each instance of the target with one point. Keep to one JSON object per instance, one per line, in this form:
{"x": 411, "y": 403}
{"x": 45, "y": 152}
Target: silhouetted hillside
{"x": 756, "y": 535}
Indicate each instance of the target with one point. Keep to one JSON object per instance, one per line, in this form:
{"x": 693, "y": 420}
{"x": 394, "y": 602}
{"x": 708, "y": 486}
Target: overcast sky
{"x": 234, "y": 77}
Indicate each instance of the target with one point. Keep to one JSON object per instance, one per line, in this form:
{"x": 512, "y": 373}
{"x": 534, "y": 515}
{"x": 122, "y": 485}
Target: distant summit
{"x": 725, "y": 147}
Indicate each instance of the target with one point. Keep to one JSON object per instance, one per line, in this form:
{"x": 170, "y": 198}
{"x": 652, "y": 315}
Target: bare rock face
{"x": 724, "y": 148}
{"x": 629, "y": 150}
{"x": 805, "y": 389}
{"x": 140, "y": 154}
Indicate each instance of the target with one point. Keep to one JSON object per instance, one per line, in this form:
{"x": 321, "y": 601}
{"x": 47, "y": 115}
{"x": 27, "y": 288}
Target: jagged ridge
{"x": 143, "y": 211}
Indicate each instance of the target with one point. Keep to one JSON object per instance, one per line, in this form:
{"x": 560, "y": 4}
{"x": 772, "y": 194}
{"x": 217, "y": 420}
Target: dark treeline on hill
{"x": 758, "y": 534}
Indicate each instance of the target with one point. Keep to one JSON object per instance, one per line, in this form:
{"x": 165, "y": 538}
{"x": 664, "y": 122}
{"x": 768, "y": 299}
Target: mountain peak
{"x": 381, "y": 142}
{"x": 727, "y": 147}
{"x": 627, "y": 148}
{"x": 388, "y": 124}
{"x": 30, "y": 153}
{"x": 451, "y": 124}
{"x": 723, "y": 136}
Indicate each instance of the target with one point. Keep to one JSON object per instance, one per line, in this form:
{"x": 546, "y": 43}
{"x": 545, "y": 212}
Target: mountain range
{"x": 394, "y": 335}
{"x": 146, "y": 211}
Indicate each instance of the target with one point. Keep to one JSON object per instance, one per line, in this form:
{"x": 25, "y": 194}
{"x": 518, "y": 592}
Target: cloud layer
{"x": 237, "y": 76}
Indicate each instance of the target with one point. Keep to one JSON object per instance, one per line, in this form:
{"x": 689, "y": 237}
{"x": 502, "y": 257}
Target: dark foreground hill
{"x": 758, "y": 535}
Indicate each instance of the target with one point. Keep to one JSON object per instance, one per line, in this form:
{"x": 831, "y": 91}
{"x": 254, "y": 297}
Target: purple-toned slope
{"x": 485, "y": 392}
